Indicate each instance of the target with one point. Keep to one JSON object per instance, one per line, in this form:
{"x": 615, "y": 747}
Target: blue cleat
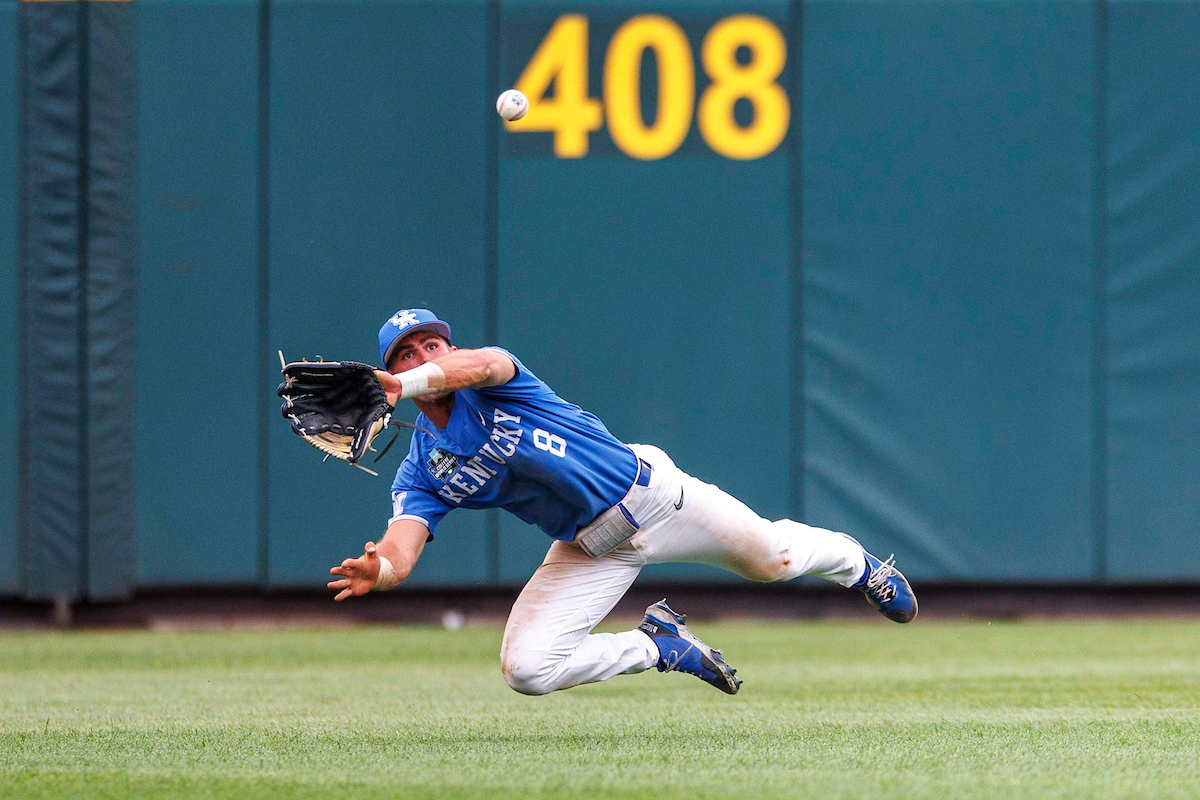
{"x": 679, "y": 650}
{"x": 887, "y": 590}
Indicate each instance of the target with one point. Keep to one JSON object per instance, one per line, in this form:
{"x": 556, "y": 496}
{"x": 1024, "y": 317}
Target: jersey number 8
{"x": 553, "y": 444}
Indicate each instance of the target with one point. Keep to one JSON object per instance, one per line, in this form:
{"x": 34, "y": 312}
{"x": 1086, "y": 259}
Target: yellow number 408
{"x": 571, "y": 115}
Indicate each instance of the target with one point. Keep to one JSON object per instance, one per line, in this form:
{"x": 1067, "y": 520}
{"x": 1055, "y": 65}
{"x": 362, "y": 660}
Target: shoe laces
{"x": 877, "y": 583}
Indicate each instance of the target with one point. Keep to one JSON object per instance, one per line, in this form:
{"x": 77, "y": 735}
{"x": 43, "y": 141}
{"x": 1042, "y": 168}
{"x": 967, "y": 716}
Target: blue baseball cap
{"x": 404, "y": 322}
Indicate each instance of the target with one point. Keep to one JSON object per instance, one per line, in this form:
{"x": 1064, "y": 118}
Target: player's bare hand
{"x": 358, "y": 574}
{"x": 391, "y": 385}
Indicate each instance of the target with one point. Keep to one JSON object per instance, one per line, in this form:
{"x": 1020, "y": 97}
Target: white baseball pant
{"x": 548, "y": 644}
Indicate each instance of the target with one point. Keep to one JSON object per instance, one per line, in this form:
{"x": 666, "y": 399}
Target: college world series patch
{"x": 442, "y": 464}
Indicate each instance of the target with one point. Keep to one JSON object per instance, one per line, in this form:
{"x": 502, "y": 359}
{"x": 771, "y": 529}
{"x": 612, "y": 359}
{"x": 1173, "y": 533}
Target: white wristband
{"x": 417, "y": 382}
{"x": 387, "y": 576}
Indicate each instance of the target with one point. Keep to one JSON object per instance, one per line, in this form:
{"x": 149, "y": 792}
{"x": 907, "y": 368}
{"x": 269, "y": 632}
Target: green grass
{"x": 945, "y": 711}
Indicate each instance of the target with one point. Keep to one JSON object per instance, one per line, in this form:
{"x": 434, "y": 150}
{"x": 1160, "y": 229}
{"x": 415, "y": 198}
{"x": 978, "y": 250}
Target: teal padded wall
{"x": 54, "y": 381}
{"x": 377, "y": 157}
{"x": 110, "y": 354}
{"x": 646, "y": 291}
{"x": 1153, "y": 271}
{"x": 76, "y": 357}
{"x": 947, "y": 279}
{"x": 9, "y": 154}
{"x": 964, "y": 283}
{"x": 197, "y": 493}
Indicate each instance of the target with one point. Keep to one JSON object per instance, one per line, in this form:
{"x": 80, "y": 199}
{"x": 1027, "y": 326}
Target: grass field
{"x": 946, "y": 711}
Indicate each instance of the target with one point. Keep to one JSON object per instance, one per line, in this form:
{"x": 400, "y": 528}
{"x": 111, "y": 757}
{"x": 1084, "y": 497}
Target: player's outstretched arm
{"x": 459, "y": 369}
{"x": 401, "y": 545}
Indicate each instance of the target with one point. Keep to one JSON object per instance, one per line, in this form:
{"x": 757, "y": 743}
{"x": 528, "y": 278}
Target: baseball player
{"x": 491, "y": 434}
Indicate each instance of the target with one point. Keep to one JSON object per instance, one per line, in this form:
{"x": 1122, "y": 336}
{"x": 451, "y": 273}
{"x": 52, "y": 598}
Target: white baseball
{"x": 512, "y": 105}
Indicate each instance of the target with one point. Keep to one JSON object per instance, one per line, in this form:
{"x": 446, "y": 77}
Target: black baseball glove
{"x": 336, "y": 406}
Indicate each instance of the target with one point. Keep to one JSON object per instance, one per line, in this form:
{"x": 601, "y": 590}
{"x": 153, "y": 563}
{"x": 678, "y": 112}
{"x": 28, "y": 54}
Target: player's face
{"x": 417, "y": 348}
{"x": 414, "y": 350}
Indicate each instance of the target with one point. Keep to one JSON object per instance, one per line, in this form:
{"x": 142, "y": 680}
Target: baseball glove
{"x": 337, "y": 407}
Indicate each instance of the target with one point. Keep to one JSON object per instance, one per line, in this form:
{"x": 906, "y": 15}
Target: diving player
{"x": 492, "y": 435}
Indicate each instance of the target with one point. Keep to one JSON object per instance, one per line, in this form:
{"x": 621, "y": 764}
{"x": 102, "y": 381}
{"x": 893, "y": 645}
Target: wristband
{"x": 387, "y": 576}
{"x": 417, "y": 382}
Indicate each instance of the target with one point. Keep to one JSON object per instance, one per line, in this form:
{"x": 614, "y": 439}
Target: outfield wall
{"x": 933, "y": 279}
{"x": 10, "y": 540}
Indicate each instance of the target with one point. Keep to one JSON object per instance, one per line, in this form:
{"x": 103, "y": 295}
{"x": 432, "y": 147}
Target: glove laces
{"x": 401, "y": 424}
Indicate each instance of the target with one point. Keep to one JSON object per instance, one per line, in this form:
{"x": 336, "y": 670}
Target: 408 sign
{"x": 651, "y": 86}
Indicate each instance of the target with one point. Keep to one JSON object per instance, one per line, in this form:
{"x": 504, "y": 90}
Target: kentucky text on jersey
{"x": 519, "y": 447}
{"x": 502, "y": 445}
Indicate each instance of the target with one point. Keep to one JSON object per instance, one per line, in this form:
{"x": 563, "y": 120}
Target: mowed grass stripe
{"x": 973, "y": 710}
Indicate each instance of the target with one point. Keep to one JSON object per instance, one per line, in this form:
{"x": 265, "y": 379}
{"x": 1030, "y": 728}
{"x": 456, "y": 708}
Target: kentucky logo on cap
{"x": 407, "y": 321}
{"x": 402, "y": 319}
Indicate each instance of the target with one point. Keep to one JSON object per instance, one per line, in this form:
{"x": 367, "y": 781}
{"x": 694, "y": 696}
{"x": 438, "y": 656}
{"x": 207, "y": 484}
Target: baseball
{"x": 512, "y": 105}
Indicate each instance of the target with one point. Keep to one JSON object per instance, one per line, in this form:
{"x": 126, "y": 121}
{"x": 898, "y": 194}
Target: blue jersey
{"x": 519, "y": 447}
